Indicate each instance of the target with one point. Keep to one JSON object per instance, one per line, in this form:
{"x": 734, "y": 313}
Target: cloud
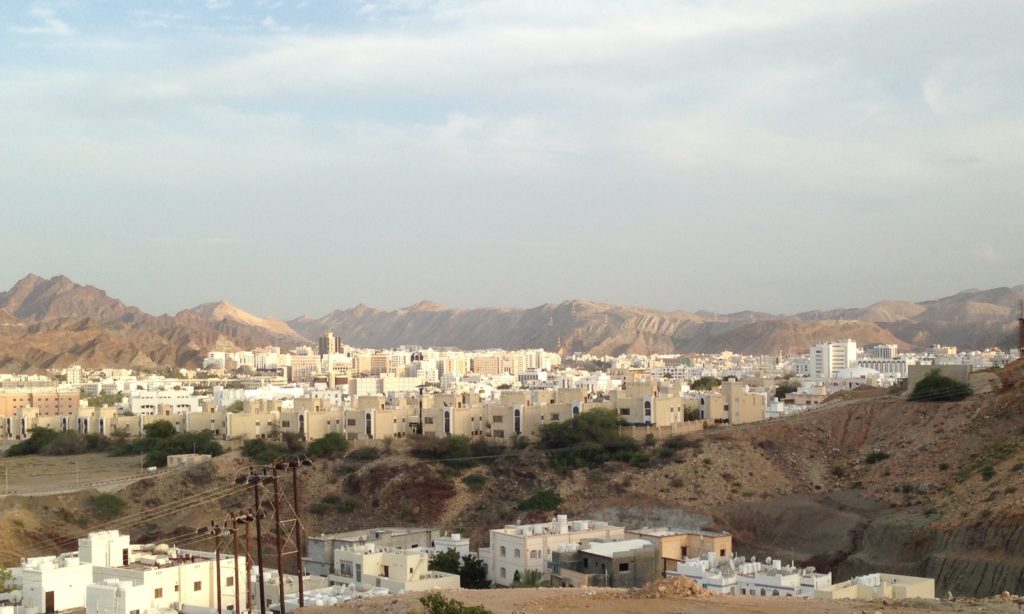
{"x": 216, "y": 5}
{"x": 270, "y": 24}
{"x": 48, "y": 23}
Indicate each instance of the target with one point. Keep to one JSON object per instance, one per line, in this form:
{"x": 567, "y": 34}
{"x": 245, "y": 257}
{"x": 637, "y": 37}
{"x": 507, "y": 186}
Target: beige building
{"x": 396, "y": 569}
{"x": 734, "y": 404}
{"x": 880, "y": 586}
{"x": 519, "y": 548}
{"x": 677, "y": 545}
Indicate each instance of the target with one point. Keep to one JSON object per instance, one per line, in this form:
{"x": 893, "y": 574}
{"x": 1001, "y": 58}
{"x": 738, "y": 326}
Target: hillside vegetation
{"x": 866, "y": 484}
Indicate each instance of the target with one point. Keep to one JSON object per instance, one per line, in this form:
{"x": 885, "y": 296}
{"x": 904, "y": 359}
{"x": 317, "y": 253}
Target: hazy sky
{"x": 294, "y": 157}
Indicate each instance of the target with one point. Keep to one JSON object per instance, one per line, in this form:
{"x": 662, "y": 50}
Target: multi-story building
{"x": 676, "y": 545}
{"x": 321, "y": 550}
{"x": 827, "y": 358}
{"x": 627, "y": 563}
{"x": 521, "y": 548}
{"x": 735, "y": 404}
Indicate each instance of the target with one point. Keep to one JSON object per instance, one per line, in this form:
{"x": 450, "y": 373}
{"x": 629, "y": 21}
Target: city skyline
{"x": 286, "y": 156}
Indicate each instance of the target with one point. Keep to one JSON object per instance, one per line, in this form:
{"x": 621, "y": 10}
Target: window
{"x": 502, "y": 551}
{"x": 286, "y": 423}
{"x": 158, "y": 593}
{"x": 230, "y": 582}
{"x": 197, "y": 586}
{"x": 387, "y": 572}
{"x": 428, "y": 420}
{"x": 554, "y": 417}
{"x": 624, "y": 411}
{"x": 499, "y": 434}
{"x": 345, "y": 569}
{"x": 534, "y": 554}
{"x": 134, "y": 612}
{"x": 351, "y": 422}
{"x": 721, "y": 552}
{"x": 503, "y": 574}
{"x": 498, "y": 419}
{"x": 518, "y": 554}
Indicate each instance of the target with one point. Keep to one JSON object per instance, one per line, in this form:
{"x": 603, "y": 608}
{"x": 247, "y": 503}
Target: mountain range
{"x": 53, "y": 323}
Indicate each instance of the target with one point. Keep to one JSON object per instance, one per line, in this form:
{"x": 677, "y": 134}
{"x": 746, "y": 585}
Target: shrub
{"x": 262, "y": 451}
{"x": 943, "y": 466}
{"x": 837, "y": 471}
{"x": 331, "y": 445}
{"x": 540, "y": 501}
{"x": 938, "y": 387}
{"x": 364, "y": 454}
{"x": 987, "y": 472}
{"x": 588, "y": 440}
{"x": 875, "y": 457}
{"x": 107, "y": 506}
{"x": 475, "y": 482}
{"x": 682, "y": 442}
{"x": 705, "y": 383}
{"x": 436, "y": 603}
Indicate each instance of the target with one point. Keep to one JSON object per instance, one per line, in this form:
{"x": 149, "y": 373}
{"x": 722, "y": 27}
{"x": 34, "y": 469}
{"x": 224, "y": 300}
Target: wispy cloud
{"x": 47, "y": 22}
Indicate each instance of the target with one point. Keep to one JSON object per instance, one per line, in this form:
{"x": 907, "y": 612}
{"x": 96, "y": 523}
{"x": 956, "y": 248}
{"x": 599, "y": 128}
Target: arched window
{"x": 502, "y": 551}
{"x": 775, "y": 593}
{"x": 517, "y": 422}
{"x": 575, "y": 410}
{"x": 647, "y": 408}
{"x": 447, "y": 422}
{"x": 763, "y": 592}
{"x": 369, "y": 424}
{"x": 518, "y": 553}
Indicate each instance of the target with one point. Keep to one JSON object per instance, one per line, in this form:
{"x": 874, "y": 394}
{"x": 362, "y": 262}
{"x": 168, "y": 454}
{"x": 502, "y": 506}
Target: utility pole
{"x": 294, "y": 464}
{"x": 277, "y": 533}
{"x": 248, "y": 564}
{"x": 234, "y": 554}
{"x": 216, "y": 556}
{"x": 255, "y": 480}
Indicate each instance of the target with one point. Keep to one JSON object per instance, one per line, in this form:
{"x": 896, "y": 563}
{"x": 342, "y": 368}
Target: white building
{"x": 162, "y": 402}
{"x": 738, "y": 576}
{"x": 827, "y": 358}
{"x": 398, "y": 570}
{"x": 519, "y": 548}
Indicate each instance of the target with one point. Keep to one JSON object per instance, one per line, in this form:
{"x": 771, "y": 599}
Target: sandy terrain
{"x": 27, "y": 475}
{"x": 618, "y": 601}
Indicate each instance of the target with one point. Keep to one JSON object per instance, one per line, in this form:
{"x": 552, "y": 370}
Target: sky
{"x": 295, "y": 157}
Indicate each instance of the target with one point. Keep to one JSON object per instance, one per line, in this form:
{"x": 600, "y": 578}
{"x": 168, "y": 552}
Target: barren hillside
{"x": 875, "y": 483}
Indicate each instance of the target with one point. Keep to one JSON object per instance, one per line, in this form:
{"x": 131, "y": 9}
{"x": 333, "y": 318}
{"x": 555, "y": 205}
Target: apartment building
{"x": 628, "y": 563}
{"x": 733, "y": 404}
{"x": 676, "y": 545}
{"x": 729, "y": 575}
{"x": 109, "y": 575}
{"x": 321, "y": 550}
{"x": 396, "y": 569}
{"x": 827, "y": 358}
{"x": 521, "y": 548}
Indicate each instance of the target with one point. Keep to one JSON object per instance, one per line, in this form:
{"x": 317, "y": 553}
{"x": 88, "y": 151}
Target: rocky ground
{"x": 871, "y": 483}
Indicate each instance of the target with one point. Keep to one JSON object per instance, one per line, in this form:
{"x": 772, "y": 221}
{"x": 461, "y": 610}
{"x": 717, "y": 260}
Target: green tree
{"x": 447, "y": 561}
{"x": 705, "y": 383}
{"x": 236, "y": 407}
{"x": 938, "y": 387}
{"x": 540, "y": 501}
{"x": 262, "y": 451}
{"x": 588, "y": 440}
{"x": 785, "y": 388}
{"x": 473, "y": 573}
{"x": 331, "y": 445}
{"x": 532, "y": 578}
{"x": 161, "y": 429}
